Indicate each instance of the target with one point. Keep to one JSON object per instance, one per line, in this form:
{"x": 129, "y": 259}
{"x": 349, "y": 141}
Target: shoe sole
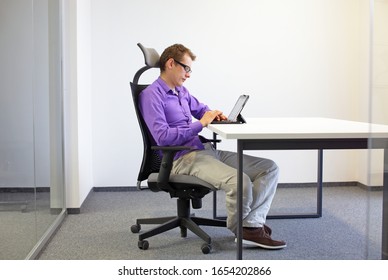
{"x": 251, "y": 243}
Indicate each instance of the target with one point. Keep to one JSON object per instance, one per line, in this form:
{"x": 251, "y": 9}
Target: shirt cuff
{"x": 196, "y": 127}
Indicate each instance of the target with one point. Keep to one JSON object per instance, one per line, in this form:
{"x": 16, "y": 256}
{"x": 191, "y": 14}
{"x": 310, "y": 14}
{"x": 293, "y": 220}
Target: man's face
{"x": 181, "y": 70}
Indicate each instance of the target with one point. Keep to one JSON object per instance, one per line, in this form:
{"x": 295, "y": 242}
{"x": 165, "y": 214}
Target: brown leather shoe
{"x": 267, "y": 229}
{"x": 259, "y": 237}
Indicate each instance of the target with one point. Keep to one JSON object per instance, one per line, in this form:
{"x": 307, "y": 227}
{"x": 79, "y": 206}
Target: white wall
{"x": 77, "y": 101}
{"x": 295, "y": 58}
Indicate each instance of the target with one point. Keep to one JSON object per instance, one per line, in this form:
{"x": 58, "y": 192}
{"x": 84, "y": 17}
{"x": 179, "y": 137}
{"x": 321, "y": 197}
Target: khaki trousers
{"x": 219, "y": 168}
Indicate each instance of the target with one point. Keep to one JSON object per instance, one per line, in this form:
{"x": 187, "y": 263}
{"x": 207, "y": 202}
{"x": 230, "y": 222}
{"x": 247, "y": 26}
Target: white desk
{"x": 306, "y": 134}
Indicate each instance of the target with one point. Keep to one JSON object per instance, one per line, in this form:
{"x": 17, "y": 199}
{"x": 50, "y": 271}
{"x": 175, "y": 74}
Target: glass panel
{"x": 17, "y": 186}
{"x": 31, "y": 162}
{"x": 47, "y": 113}
{"x": 378, "y": 115}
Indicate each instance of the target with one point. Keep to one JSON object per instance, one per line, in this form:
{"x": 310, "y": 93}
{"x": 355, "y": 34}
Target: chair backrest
{"x": 151, "y": 159}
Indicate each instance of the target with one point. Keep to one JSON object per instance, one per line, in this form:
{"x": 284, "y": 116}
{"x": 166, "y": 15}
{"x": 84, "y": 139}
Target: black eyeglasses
{"x": 185, "y": 67}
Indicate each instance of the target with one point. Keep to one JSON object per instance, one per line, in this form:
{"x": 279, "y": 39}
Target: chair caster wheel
{"x": 135, "y": 228}
{"x": 143, "y": 244}
{"x": 206, "y": 248}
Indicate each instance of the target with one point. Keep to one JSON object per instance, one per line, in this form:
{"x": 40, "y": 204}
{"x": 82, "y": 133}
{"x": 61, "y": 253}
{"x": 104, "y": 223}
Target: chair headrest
{"x": 151, "y": 56}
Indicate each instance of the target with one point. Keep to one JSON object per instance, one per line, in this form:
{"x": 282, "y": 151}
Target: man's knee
{"x": 272, "y": 166}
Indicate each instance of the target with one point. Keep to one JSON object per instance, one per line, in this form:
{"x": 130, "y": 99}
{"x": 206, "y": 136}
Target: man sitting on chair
{"x": 167, "y": 108}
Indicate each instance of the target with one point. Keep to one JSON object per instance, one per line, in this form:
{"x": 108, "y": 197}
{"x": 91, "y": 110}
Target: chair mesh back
{"x": 151, "y": 159}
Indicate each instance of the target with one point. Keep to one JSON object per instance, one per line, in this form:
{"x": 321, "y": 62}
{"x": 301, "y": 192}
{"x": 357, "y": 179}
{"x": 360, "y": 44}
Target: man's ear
{"x": 169, "y": 63}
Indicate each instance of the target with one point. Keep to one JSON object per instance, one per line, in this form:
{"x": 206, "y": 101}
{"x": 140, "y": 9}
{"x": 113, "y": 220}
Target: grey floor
{"x": 23, "y": 223}
{"x": 349, "y": 229}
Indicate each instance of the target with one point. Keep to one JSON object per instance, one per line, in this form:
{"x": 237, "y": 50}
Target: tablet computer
{"x": 234, "y": 116}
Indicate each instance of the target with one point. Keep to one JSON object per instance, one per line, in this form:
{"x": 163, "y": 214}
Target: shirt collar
{"x": 165, "y": 87}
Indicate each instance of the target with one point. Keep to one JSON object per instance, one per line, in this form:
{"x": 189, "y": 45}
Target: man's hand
{"x": 209, "y": 116}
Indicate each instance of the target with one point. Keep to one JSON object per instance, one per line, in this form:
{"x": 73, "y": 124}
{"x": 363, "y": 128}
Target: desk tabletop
{"x": 299, "y": 128}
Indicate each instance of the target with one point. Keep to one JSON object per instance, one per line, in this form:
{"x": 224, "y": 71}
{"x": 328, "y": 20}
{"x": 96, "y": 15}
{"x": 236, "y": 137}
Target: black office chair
{"x": 157, "y": 173}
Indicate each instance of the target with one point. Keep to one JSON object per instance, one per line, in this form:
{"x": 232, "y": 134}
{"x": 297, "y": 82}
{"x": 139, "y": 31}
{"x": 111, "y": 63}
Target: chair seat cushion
{"x": 179, "y": 181}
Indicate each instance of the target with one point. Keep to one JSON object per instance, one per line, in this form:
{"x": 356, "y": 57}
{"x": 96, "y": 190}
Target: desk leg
{"x": 214, "y": 204}
{"x": 384, "y": 248}
{"x": 320, "y": 183}
{"x": 318, "y": 213}
{"x": 239, "y": 198}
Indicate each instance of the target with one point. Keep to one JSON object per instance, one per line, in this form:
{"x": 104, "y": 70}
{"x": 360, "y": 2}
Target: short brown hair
{"x": 176, "y": 51}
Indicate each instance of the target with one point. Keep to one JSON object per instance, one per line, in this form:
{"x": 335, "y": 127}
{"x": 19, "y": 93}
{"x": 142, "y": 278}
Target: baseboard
{"x": 314, "y": 184}
{"x": 72, "y": 210}
{"x": 75, "y": 211}
{"x": 370, "y": 188}
{"x": 331, "y": 184}
{"x": 115, "y": 189}
{"x": 24, "y": 189}
{"x": 280, "y": 185}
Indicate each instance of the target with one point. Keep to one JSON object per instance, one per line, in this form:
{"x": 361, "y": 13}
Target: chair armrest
{"x": 205, "y": 140}
{"x": 171, "y": 148}
{"x": 166, "y": 164}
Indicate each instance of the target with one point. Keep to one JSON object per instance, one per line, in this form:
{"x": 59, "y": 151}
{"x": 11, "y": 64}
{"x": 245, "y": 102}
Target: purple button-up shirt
{"x": 168, "y": 115}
